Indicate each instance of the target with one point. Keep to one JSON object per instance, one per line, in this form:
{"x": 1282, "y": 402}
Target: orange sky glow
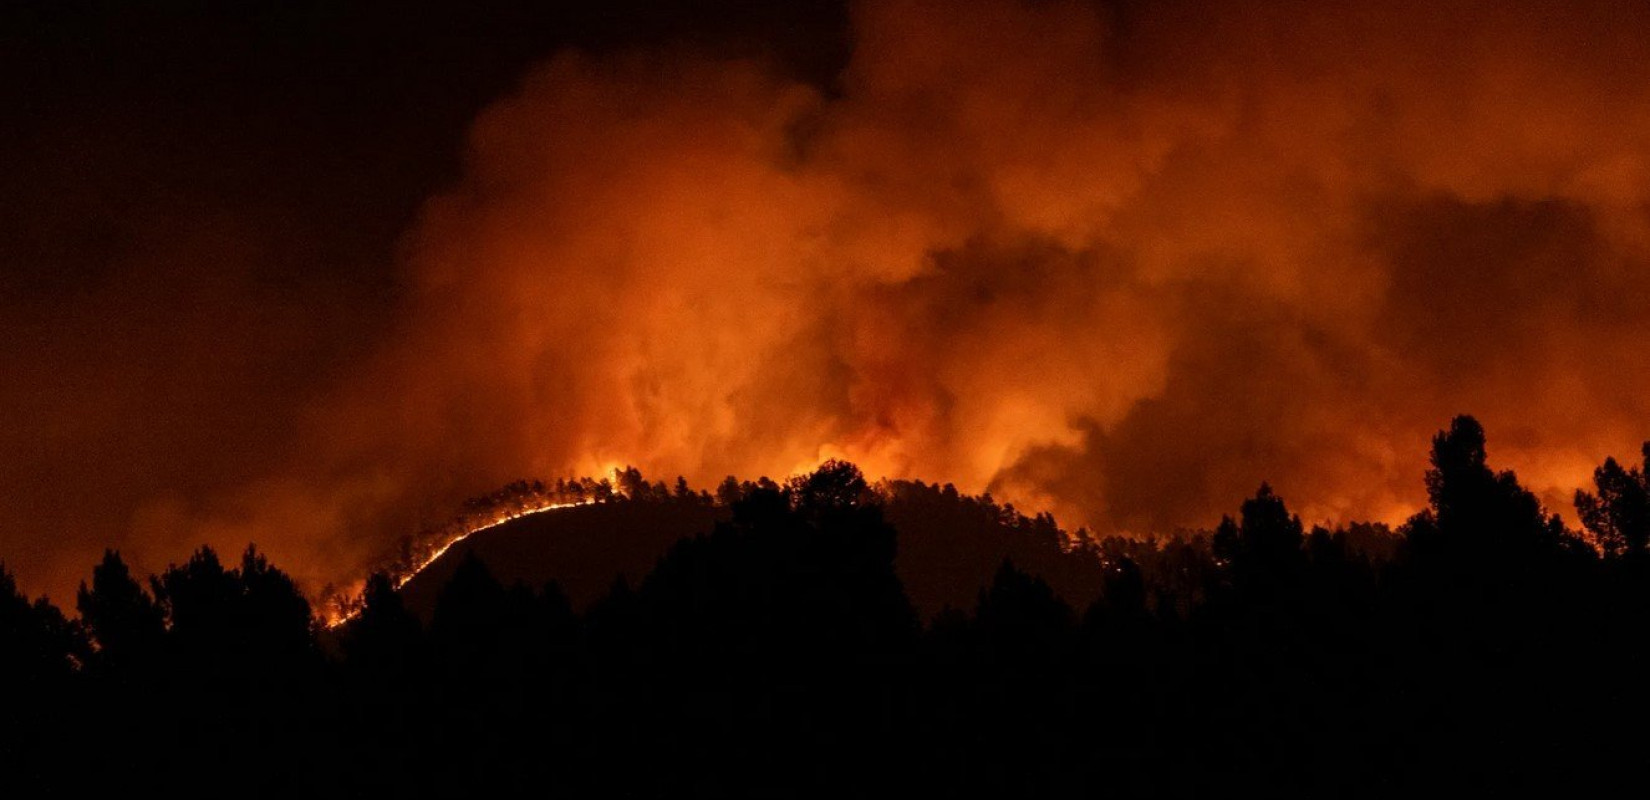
{"x": 1120, "y": 268}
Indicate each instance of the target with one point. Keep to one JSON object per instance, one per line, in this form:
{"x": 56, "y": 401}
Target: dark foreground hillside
{"x": 780, "y": 655}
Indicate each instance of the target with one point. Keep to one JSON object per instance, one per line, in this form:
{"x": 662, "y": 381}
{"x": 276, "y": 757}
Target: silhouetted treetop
{"x": 834, "y": 486}
{"x": 1263, "y": 549}
{"x": 36, "y": 642}
{"x": 123, "y": 620}
{"x": 1618, "y": 515}
{"x": 252, "y": 618}
{"x": 385, "y": 635}
{"x": 276, "y": 618}
{"x": 1479, "y": 514}
{"x": 200, "y": 597}
{"x": 1459, "y": 482}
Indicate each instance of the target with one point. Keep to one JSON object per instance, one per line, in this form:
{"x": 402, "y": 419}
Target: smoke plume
{"x": 1121, "y": 262}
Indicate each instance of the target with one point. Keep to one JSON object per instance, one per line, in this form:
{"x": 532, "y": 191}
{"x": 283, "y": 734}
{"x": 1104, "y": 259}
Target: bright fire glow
{"x": 1121, "y": 266}
{"x": 353, "y": 609}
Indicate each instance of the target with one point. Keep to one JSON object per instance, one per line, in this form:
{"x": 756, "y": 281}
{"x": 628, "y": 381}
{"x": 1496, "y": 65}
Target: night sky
{"x": 311, "y": 274}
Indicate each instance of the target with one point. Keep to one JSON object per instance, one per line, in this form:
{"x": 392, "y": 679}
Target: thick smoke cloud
{"x": 1119, "y": 262}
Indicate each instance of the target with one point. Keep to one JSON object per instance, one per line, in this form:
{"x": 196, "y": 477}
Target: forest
{"x": 793, "y": 650}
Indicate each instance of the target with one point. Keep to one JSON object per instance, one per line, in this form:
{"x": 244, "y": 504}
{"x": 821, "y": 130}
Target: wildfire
{"x": 349, "y": 608}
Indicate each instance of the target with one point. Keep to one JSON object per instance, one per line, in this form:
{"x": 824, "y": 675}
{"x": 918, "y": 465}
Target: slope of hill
{"x": 950, "y": 545}
{"x": 583, "y": 548}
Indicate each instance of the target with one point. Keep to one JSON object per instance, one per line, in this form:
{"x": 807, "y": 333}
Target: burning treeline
{"x": 1110, "y": 264}
{"x": 991, "y": 532}
{"x": 1117, "y": 261}
{"x": 780, "y": 654}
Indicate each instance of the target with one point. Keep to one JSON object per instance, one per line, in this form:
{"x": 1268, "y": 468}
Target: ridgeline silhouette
{"x": 780, "y": 651}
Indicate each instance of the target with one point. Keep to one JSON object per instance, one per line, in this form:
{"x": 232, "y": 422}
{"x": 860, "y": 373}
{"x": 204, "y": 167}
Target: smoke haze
{"x": 1119, "y": 262}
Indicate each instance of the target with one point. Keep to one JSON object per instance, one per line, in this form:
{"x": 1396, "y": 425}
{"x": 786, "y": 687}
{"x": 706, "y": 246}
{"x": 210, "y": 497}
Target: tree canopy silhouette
{"x": 777, "y": 653}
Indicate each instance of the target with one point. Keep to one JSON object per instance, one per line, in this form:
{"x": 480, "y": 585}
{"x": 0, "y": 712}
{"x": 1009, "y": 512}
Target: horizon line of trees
{"x": 1615, "y": 518}
{"x": 1490, "y": 649}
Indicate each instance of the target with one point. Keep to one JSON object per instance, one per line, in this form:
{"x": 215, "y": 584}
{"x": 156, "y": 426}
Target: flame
{"x": 352, "y": 608}
{"x": 1119, "y": 266}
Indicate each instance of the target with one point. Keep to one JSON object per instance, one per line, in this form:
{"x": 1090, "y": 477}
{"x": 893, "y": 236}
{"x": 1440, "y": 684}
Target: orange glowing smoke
{"x": 1121, "y": 264}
